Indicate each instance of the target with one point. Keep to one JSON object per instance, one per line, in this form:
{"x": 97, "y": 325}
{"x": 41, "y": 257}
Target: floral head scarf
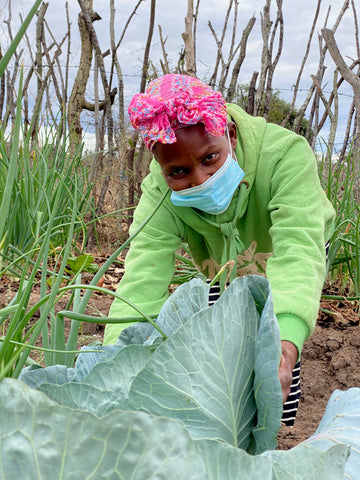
{"x": 174, "y": 101}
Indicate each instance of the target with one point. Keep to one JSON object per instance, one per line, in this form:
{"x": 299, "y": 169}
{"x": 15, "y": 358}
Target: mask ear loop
{"x": 228, "y": 135}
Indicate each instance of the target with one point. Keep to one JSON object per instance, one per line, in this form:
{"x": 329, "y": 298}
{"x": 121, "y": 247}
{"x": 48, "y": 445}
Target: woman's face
{"x": 194, "y": 157}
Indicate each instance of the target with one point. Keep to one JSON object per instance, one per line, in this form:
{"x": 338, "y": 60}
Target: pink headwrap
{"x": 174, "y": 101}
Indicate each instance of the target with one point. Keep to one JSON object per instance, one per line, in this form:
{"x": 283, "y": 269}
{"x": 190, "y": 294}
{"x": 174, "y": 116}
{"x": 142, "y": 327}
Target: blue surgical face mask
{"x": 214, "y": 195}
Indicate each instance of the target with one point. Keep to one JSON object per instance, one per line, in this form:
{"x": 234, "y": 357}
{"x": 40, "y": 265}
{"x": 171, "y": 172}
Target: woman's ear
{"x": 232, "y": 134}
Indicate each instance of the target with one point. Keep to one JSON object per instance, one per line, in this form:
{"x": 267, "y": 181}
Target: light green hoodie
{"x": 277, "y": 223}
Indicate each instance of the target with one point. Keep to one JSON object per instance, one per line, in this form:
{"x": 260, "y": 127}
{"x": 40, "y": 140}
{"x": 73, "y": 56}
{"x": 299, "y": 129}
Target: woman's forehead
{"x": 194, "y": 138}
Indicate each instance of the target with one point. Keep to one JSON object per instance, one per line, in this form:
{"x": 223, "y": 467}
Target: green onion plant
{"x": 35, "y": 176}
{"x": 340, "y": 183}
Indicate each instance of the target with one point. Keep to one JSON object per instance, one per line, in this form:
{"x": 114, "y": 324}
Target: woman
{"x": 240, "y": 189}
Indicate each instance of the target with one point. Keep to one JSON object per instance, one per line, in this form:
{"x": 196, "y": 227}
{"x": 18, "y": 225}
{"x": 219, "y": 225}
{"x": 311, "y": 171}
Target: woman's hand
{"x": 287, "y": 363}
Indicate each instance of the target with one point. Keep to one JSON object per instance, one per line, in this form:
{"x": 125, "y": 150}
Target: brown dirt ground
{"x": 330, "y": 358}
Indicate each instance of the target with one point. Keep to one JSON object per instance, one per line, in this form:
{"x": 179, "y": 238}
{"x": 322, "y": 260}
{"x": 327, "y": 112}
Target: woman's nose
{"x": 197, "y": 178}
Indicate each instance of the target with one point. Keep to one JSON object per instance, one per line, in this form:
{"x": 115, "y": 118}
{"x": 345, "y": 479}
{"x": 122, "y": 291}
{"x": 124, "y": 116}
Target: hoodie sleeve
{"x": 301, "y": 217}
{"x": 149, "y": 264}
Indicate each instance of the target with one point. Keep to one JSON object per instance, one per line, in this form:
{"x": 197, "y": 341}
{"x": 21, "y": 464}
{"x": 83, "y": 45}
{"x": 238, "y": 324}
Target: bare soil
{"x": 330, "y": 361}
{"x": 330, "y": 358}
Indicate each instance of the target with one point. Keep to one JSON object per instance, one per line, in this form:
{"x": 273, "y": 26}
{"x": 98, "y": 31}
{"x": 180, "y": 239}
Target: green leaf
{"x": 188, "y": 299}
{"x": 42, "y": 440}
{"x": 59, "y": 374}
{"x": 84, "y": 397}
{"x": 226, "y": 462}
{"x": 301, "y": 463}
{"x": 106, "y": 386}
{"x": 118, "y": 373}
{"x": 5, "y": 208}
{"x": 305, "y": 462}
{"x": 11, "y": 50}
{"x": 341, "y": 424}
{"x": 81, "y": 263}
{"x": 203, "y": 374}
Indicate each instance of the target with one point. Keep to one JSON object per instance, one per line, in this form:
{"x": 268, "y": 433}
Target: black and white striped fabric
{"x": 291, "y": 405}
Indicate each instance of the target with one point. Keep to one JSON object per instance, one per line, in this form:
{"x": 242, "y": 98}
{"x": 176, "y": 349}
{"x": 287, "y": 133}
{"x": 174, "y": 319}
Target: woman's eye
{"x": 209, "y": 157}
{"x": 176, "y": 172}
